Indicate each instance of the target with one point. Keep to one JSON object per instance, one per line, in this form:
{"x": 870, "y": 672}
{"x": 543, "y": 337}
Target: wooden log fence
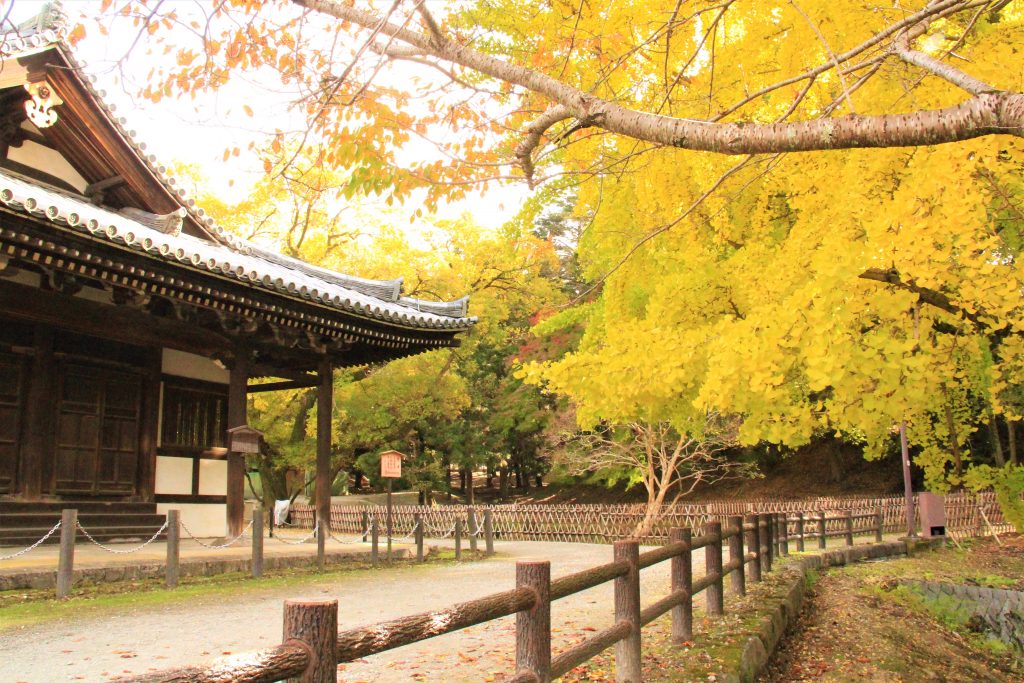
{"x": 749, "y": 540}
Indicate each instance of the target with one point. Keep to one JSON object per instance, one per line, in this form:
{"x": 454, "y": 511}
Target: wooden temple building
{"x": 132, "y": 326}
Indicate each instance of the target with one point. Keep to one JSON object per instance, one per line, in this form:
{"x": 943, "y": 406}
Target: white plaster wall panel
{"x": 205, "y": 520}
{"x": 213, "y": 477}
{"x": 173, "y": 475}
{"x": 182, "y": 364}
{"x": 47, "y": 160}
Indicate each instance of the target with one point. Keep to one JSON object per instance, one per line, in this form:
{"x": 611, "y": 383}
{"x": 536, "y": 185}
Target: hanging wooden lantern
{"x": 244, "y": 439}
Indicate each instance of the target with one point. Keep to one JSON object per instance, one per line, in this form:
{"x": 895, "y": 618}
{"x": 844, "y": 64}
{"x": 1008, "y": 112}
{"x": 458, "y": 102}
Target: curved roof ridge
{"x": 453, "y": 309}
{"x": 388, "y": 290}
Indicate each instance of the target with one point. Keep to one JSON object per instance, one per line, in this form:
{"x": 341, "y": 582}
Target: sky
{"x": 197, "y": 131}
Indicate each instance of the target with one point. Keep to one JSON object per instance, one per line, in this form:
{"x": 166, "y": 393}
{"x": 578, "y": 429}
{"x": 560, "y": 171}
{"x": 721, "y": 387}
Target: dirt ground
{"x": 855, "y": 626}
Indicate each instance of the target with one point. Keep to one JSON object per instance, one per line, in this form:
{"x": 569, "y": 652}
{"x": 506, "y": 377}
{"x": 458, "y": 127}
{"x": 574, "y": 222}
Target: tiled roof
{"x": 226, "y": 254}
{"x": 272, "y": 272}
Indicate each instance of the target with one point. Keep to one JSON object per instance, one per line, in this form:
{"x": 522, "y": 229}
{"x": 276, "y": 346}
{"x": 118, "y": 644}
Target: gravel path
{"x": 203, "y": 629}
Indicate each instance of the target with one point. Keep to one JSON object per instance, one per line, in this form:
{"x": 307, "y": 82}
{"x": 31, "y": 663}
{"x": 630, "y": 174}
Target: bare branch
{"x": 985, "y": 114}
{"x": 901, "y": 47}
{"x": 534, "y": 131}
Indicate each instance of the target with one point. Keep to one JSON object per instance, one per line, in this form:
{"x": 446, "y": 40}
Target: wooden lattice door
{"x": 97, "y": 449}
{"x": 12, "y": 390}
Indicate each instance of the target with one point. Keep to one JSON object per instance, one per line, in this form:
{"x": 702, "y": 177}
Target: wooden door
{"x": 12, "y": 385}
{"x": 97, "y": 449}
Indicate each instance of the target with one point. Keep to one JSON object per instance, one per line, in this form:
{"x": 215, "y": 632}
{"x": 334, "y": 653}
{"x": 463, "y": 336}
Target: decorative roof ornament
{"x": 39, "y": 106}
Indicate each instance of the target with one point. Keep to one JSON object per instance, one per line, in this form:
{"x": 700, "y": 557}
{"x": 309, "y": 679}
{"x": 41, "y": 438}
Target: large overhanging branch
{"x": 986, "y": 113}
{"x": 925, "y": 295}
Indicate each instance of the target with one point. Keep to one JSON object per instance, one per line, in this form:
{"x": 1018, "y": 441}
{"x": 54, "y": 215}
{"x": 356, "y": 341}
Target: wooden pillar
{"x": 237, "y": 417}
{"x": 37, "y": 454}
{"x": 324, "y": 408}
{"x": 822, "y": 531}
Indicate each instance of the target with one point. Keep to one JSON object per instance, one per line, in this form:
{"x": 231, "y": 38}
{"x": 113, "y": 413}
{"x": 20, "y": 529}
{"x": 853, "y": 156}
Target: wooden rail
{"x": 751, "y": 542}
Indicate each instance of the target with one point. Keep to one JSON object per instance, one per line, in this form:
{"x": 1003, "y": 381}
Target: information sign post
{"x": 390, "y": 469}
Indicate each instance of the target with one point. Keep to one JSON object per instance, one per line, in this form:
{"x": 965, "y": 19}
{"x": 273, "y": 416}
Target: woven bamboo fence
{"x": 608, "y": 523}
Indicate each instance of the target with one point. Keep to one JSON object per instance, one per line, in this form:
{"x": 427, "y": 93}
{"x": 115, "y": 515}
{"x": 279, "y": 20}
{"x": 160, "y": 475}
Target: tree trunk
{"x": 954, "y": 439}
{"x": 997, "y": 446}
{"x": 468, "y": 488}
{"x": 503, "y": 482}
{"x": 1011, "y": 433}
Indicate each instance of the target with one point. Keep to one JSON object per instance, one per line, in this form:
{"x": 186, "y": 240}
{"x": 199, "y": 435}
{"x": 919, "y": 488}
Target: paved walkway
{"x": 105, "y": 645}
{"x": 98, "y": 648}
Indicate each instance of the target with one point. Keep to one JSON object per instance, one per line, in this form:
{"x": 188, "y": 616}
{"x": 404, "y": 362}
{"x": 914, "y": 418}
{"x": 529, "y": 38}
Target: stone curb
{"x": 188, "y": 567}
{"x": 758, "y": 648}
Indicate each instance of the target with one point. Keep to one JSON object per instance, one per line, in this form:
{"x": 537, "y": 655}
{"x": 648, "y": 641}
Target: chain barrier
{"x": 33, "y": 546}
{"x": 409, "y": 536}
{"x": 343, "y": 541}
{"x": 311, "y": 534}
{"x": 128, "y": 551}
{"x": 216, "y": 546}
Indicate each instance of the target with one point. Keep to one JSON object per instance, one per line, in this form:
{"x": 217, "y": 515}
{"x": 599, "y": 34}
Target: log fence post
{"x": 770, "y": 520}
{"x": 822, "y": 537}
{"x": 764, "y": 544}
{"x": 172, "y": 570}
{"x": 800, "y": 532}
{"x": 257, "y": 541}
{"x": 682, "y": 580}
{"x": 471, "y": 529}
{"x": 848, "y": 520}
{"x": 314, "y": 624}
{"x": 417, "y": 519}
{"x": 627, "y": 608}
{"x": 533, "y": 626}
{"x": 738, "y": 581}
{"x": 489, "y": 531}
{"x": 374, "y": 542}
{"x": 713, "y": 567}
{"x": 754, "y": 546}
{"x": 783, "y": 533}
{"x": 458, "y": 539}
{"x": 879, "y": 524}
{"x": 66, "y": 560}
{"x": 364, "y": 524}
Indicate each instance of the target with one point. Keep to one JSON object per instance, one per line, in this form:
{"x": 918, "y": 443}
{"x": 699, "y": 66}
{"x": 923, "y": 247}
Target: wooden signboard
{"x": 391, "y": 465}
